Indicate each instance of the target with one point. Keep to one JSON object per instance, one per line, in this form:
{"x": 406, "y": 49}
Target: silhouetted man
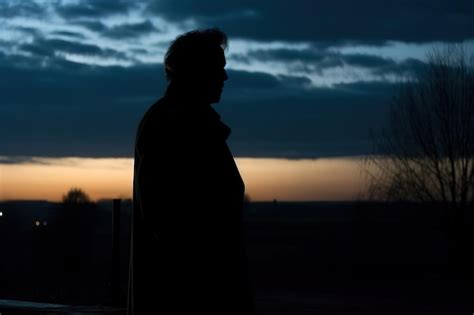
{"x": 188, "y": 254}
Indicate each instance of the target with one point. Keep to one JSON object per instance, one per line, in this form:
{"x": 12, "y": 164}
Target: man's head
{"x": 195, "y": 62}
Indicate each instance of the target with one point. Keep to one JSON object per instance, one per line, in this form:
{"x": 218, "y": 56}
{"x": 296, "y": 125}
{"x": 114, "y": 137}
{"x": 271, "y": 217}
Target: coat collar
{"x": 189, "y": 108}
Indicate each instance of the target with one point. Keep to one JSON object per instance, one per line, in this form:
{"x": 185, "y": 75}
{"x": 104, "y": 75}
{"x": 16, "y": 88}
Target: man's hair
{"x": 191, "y": 50}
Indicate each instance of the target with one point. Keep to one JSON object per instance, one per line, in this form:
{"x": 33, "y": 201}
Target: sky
{"x": 307, "y": 79}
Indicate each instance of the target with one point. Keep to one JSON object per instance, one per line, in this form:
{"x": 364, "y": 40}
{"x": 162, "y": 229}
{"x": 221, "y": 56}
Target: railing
{"x": 25, "y": 307}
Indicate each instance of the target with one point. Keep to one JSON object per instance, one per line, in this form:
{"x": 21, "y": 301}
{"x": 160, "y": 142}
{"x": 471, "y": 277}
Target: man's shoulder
{"x": 162, "y": 108}
{"x": 160, "y": 118}
{"x": 160, "y": 111}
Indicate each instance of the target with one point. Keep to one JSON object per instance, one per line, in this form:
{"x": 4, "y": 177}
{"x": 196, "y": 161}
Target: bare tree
{"x": 426, "y": 154}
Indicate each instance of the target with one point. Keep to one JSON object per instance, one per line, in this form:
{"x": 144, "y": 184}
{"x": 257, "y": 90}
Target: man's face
{"x": 214, "y": 76}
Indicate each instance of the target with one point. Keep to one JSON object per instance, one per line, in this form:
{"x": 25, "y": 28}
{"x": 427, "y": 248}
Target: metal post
{"x": 115, "y": 272}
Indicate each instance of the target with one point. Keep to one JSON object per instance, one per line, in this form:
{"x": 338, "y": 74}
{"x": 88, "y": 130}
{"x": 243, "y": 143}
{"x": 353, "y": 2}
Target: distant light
{"x": 37, "y": 223}
{"x": 45, "y": 223}
{"x": 1, "y": 214}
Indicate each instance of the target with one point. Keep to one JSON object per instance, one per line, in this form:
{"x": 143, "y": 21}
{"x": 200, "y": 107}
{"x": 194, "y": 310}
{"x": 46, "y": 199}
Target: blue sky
{"x": 308, "y": 79}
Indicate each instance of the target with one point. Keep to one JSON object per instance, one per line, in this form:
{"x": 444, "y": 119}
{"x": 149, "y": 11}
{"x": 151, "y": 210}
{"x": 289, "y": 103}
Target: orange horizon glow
{"x": 328, "y": 179}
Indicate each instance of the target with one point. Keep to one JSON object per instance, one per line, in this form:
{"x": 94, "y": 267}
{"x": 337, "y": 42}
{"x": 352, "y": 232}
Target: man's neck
{"x": 186, "y": 93}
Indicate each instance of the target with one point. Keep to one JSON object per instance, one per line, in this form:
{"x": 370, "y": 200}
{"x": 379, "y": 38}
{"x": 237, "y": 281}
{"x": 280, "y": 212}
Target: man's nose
{"x": 225, "y": 76}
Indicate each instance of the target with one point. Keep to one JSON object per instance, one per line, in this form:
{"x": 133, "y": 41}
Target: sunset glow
{"x": 265, "y": 179}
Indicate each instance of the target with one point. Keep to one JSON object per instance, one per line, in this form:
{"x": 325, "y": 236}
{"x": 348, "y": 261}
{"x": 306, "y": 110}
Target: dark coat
{"x": 187, "y": 254}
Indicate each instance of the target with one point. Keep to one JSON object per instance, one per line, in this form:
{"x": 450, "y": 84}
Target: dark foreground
{"x": 305, "y": 258}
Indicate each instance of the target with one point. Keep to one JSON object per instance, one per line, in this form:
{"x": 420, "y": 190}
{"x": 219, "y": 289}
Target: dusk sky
{"x": 308, "y": 79}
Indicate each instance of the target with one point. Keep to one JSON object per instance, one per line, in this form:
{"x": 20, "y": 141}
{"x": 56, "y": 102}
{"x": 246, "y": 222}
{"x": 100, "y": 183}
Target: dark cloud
{"x": 22, "y": 160}
{"x": 370, "y": 21}
{"x": 39, "y": 50}
{"x": 296, "y": 123}
{"x": 54, "y": 107}
{"x": 254, "y": 79}
{"x": 78, "y": 110}
{"x": 367, "y": 61}
{"x": 121, "y": 31}
{"x": 405, "y": 67}
{"x": 29, "y": 30}
{"x": 314, "y": 60}
{"x": 94, "y": 8}
{"x": 73, "y": 109}
{"x": 130, "y": 30}
{"x": 241, "y": 58}
{"x": 304, "y": 60}
{"x": 69, "y": 34}
{"x": 286, "y": 54}
{"x": 49, "y": 47}
{"x": 140, "y": 50}
{"x": 25, "y": 8}
{"x": 300, "y": 60}
{"x": 95, "y": 26}
{"x": 294, "y": 81}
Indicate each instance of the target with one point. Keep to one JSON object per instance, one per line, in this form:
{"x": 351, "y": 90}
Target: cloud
{"x": 49, "y": 47}
{"x": 94, "y": 9}
{"x": 23, "y": 160}
{"x": 72, "y": 109}
{"x": 286, "y": 54}
{"x": 130, "y": 30}
{"x": 407, "y": 66}
{"x": 29, "y": 31}
{"x": 53, "y": 106}
{"x": 329, "y": 23}
{"x": 78, "y": 110}
{"x": 314, "y": 60}
{"x": 369, "y": 21}
{"x": 300, "y": 60}
{"x": 24, "y": 8}
{"x": 297, "y": 123}
{"x": 95, "y": 26}
{"x": 120, "y": 31}
{"x": 367, "y": 61}
{"x": 70, "y": 34}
